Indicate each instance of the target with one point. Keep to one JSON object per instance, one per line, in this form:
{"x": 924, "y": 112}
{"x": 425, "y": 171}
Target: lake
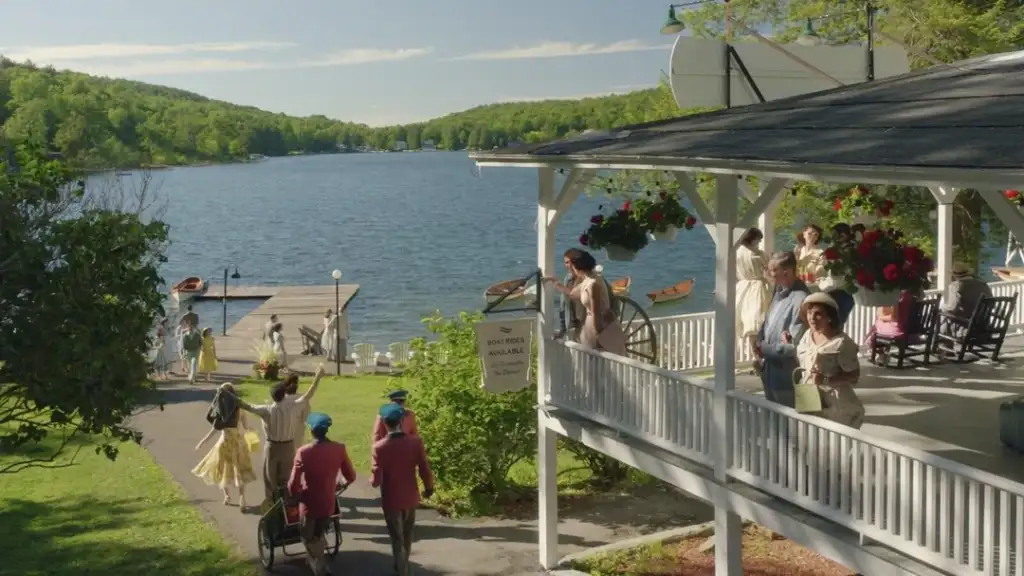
{"x": 417, "y": 231}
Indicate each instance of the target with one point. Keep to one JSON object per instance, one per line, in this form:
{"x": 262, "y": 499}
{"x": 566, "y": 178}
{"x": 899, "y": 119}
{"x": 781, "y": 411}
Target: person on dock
{"x": 314, "y": 481}
{"x": 191, "y": 346}
{"x": 395, "y": 462}
{"x": 268, "y": 328}
{"x": 753, "y": 294}
{"x": 398, "y": 398}
{"x": 279, "y": 422}
{"x": 329, "y": 337}
{"x": 208, "y": 354}
{"x": 277, "y": 340}
{"x": 228, "y": 462}
{"x": 775, "y": 348}
{"x": 190, "y": 318}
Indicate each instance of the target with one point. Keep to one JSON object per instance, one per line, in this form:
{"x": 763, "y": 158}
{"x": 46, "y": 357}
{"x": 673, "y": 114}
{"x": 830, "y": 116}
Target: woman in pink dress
{"x": 601, "y": 329}
{"x": 893, "y": 321}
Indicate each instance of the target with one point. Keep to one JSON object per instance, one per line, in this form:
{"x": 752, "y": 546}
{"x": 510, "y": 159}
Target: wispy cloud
{"x": 105, "y": 51}
{"x": 622, "y": 89}
{"x": 562, "y": 50}
{"x": 133, "y": 60}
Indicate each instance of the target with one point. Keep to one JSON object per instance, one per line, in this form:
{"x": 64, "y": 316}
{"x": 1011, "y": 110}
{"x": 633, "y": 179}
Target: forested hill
{"x": 102, "y": 122}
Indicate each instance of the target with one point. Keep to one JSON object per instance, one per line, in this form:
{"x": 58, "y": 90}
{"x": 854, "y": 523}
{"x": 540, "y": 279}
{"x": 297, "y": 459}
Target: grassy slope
{"x": 101, "y": 517}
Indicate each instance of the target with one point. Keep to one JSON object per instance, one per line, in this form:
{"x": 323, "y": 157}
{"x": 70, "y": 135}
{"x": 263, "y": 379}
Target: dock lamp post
{"x": 337, "y": 320}
{"x": 224, "y": 300}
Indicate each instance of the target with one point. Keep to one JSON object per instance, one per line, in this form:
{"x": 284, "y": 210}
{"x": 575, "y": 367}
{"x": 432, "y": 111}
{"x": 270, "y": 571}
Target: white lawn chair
{"x": 399, "y": 354}
{"x": 365, "y": 357}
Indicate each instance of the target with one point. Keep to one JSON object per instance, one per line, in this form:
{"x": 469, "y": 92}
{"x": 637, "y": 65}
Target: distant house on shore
{"x": 400, "y": 146}
{"x": 428, "y": 144}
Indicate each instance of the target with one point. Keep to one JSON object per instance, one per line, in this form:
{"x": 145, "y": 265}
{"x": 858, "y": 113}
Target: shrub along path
{"x": 444, "y": 546}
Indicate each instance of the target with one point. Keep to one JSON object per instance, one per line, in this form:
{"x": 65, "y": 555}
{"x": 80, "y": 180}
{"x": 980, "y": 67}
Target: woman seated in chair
{"x": 893, "y": 321}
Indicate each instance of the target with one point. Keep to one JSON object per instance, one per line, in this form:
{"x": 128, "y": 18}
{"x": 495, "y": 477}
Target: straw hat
{"x": 961, "y": 269}
{"x": 820, "y": 298}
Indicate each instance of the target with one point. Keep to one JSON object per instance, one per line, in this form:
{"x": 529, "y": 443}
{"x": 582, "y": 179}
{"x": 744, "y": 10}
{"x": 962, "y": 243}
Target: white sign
{"x": 504, "y": 349}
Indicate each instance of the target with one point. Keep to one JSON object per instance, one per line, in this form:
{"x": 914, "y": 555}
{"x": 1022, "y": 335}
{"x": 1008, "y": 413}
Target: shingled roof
{"x": 966, "y": 115}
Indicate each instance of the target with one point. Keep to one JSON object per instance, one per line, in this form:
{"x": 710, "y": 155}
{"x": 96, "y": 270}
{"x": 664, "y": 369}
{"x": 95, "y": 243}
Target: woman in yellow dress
{"x": 228, "y": 463}
{"x": 208, "y": 354}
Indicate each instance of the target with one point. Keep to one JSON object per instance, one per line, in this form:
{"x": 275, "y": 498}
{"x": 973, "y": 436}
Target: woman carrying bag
{"x": 829, "y": 366}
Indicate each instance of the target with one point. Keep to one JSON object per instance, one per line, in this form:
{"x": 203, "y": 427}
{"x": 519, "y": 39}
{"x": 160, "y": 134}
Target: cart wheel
{"x": 334, "y": 526}
{"x": 265, "y": 545}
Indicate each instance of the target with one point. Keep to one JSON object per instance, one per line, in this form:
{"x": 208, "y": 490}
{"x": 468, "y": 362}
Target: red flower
{"x": 656, "y": 216}
{"x": 891, "y": 272}
{"x": 862, "y": 189}
{"x": 837, "y": 204}
{"x": 885, "y": 208}
{"x": 831, "y": 254}
{"x": 585, "y": 240}
{"x": 911, "y": 254}
{"x": 865, "y": 248}
{"x": 596, "y": 219}
{"x": 1011, "y": 194}
{"x": 870, "y": 236}
{"x": 865, "y": 279}
{"x": 625, "y": 206}
{"x": 690, "y": 221}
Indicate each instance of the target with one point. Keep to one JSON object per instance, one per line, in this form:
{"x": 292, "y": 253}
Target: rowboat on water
{"x": 511, "y": 289}
{"x": 1008, "y": 274}
{"x": 674, "y": 292}
{"x": 620, "y": 286}
{"x": 188, "y": 288}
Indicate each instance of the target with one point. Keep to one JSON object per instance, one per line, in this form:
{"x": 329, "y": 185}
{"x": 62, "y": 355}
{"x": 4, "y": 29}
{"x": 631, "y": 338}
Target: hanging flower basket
{"x": 664, "y": 217}
{"x": 861, "y": 206}
{"x": 619, "y": 253}
{"x": 865, "y": 297}
{"x": 878, "y": 267}
{"x": 620, "y": 232}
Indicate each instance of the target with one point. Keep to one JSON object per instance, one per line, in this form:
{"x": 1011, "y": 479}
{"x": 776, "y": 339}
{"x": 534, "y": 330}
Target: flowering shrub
{"x": 880, "y": 261}
{"x": 624, "y": 228}
{"x": 1014, "y": 196}
{"x": 658, "y": 215}
{"x": 859, "y": 203}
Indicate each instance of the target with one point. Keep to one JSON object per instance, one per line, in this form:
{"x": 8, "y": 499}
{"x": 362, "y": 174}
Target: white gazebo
{"x": 874, "y": 505}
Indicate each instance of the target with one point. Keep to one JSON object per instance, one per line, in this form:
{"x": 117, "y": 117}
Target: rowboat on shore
{"x": 1009, "y": 274}
{"x": 512, "y": 290}
{"x": 188, "y": 288}
{"x": 674, "y": 292}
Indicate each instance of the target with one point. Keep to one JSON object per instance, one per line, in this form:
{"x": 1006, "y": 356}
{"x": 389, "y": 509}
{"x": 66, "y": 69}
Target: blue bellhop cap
{"x": 391, "y": 412}
{"x": 398, "y": 395}
{"x": 318, "y": 420}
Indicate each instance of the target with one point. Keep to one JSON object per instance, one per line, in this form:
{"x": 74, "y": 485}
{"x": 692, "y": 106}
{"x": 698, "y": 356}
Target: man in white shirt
{"x": 280, "y": 419}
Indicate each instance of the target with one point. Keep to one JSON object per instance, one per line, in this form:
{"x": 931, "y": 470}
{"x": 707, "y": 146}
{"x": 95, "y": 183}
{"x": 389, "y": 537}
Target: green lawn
{"x": 100, "y": 517}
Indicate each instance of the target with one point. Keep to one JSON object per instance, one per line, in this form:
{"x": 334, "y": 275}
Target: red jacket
{"x": 315, "y": 476}
{"x": 395, "y": 462}
{"x": 380, "y": 431}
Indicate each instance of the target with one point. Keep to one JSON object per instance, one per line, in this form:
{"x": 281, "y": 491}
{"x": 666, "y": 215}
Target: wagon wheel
{"x": 334, "y": 526}
{"x": 264, "y": 544}
{"x": 641, "y": 340}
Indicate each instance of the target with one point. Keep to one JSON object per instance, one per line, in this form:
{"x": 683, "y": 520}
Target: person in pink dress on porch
{"x": 893, "y": 321}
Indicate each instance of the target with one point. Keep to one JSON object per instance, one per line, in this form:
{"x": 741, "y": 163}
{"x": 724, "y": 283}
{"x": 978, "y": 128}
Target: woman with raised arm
{"x": 601, "y": 329}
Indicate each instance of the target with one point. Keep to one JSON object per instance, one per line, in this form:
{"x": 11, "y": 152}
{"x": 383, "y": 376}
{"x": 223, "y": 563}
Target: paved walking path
{"x": 444, "y": 546}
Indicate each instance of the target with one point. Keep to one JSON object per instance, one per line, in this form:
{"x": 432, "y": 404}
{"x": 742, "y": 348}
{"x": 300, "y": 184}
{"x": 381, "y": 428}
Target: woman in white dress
{"x": 329, "y": 337}
{"x": 753, "y": 295}
{"x": 601, "y": 329}
{"x": 277, "y": 339}
{"x": 828, "y": 359}
{"x": 810, "y": 265}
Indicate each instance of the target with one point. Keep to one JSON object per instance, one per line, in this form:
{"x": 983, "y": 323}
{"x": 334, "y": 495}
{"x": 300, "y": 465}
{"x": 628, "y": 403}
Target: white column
{"x": 728, "y": 542}
{"x": 766, "y": 222}
{"x": 944, "y": 256}
{"x": 547, "y": 465}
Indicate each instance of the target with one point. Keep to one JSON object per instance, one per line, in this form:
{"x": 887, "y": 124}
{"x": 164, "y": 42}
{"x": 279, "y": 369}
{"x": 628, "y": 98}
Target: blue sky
{"x": 362, "y": 60}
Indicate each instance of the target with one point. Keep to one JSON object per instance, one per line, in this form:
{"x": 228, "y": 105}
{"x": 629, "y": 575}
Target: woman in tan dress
{"x": 601, "y": 329}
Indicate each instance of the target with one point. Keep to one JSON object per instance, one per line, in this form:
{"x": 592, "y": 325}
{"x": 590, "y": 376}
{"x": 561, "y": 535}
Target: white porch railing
{"x": 686, "y": 341}
{"x": 942, "y": 513}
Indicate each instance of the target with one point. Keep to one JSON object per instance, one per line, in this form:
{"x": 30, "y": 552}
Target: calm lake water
{"x": 417, "y": 232}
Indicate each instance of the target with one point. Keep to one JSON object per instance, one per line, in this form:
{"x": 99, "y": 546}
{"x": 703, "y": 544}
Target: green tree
{"x": 79, "y": 293}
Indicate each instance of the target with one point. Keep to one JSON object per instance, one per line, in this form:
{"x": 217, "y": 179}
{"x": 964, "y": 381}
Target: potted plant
{"x": 266, "y": 365}
{"x": 665, "y": 216}
{"x": 860, "y": 206}
{"x": 878, "y": 267}
{"x": 621, "y": 235}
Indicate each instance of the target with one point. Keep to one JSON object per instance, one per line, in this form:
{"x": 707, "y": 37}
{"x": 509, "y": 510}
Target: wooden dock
{"x": 295, "y": 306}
{"x": 241, "y": 292}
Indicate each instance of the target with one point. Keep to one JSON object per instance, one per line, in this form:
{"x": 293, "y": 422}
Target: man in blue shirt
{"x": 775, "y": 348}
